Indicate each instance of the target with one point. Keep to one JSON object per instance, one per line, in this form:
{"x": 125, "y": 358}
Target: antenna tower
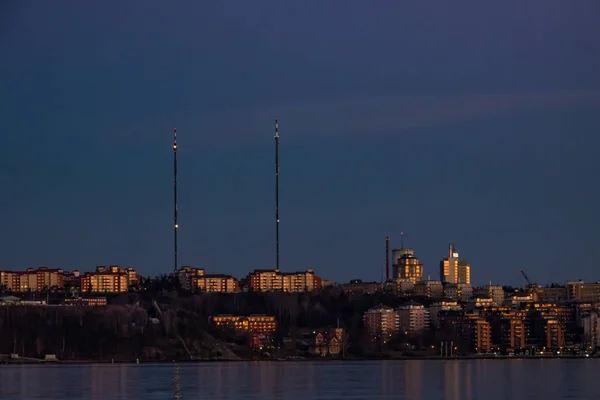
{"x": 175, "y": 226}
{"x": 277, "y": 192}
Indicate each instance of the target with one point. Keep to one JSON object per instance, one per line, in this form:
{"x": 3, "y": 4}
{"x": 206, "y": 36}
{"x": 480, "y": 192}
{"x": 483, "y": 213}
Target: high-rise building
{"x": 406, "y": 266}
{"x": 464, "y": 272}
{"x": 107, "y": 280}
{"x": 453, "y": 270}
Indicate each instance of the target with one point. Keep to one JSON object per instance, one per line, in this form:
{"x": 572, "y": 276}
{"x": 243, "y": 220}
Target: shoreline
{"x": 288, "y": 360}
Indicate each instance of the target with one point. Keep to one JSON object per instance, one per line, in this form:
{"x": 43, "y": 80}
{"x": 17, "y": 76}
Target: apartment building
{"x": 186, "y": 275}
{"x": 429, "y": 288}
{"x": 489, "y": 291}
{"x": 381, "y": 320}
{"x": 412, "y": 318}
{"x": 111, "y": 279}
{"x": 215, "y": 283}
{"x": 32, "y": 280}
{"x": 435, "y": 308}
{"x": 264, "y": 280}
{"x": 582, "y": 291}
{"x": 87, "y": 301}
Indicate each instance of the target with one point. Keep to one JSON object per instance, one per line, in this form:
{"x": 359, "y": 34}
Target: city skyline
{"x": 486, "y": 141}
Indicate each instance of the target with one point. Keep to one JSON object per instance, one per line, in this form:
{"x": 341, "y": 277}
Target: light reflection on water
{"x": 414, "y": 380}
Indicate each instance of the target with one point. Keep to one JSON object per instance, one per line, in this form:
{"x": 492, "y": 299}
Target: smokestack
{"x": 175, "y": 226}
{"x": 387, "y": 259}
{"x": 277, "y": 192}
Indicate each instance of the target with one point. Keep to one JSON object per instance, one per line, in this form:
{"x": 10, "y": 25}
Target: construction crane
{"x": 526, "y": 278}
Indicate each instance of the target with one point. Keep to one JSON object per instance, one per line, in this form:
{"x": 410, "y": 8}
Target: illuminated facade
{"x": 406, "y": 266}
{"x": 275, "y": 280}
{"x": 555, "y": 339}
{"x": 413, "y": 317}
{"x": 32, "y": 280}
{"x": 87, "y": 301}
{"x": 495, "y": 293}
{"x": 482, "y": 339}
{"x": 256, "y": 323}
{"x": 108, "y": 280}
{"x": 546, "y": 294}
{"x": 508, "y": 332}
{"x": 464, "y": 272}
{"x": 453, "y": 270}
{"x": 215, "y": 283}
{"x": 186, "y": 275}
{"x": 435, "y": 308}
{"x": 381, "y": 320}
{"x": 582, "y": 291}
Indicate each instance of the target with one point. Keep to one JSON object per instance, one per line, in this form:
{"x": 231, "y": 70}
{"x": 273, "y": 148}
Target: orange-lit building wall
{"x": 215, "y": 283}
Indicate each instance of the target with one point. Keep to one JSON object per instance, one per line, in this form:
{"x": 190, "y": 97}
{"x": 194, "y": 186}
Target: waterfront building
{"x": 413, "y": 317}
{"x": 87, "y": 301}
{"x": 255, "y": 323}
{"x": 435, "y": 308}
{"x": 381, "y": 320}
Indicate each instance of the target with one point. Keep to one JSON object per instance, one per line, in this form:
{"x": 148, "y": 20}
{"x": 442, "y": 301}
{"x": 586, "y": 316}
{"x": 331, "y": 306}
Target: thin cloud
{"x": 349, "y": 117}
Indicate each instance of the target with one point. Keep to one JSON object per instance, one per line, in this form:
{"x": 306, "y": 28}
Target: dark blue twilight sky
{"x": 472, "y": 122}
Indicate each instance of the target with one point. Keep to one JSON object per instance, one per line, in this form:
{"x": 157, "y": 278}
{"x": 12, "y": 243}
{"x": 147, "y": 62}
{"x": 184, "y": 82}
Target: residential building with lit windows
{"x": 111, "y": 279}
{"x": 405, "y": 265}
{"x": 32, "y": 280}
{"x": 464, "y": 272}
{"x": 555, "y": 339}
{"x": 435, "y": 308}
{"x": 263, "y": 280}
{"x": 357, "y": 286}
{"x": 508, "y": 334}
{"x": 428, "y": 288}
{"x": 549, "y": 294}
{"x": 215, "y": 283}
{"x": 581, "y": 291}
{"x": 87, "y": 301}
{"x": 186, "y": 275}
{"x": 489, "y": 291}
{"x": 256, "y": 323}
{"x": 482, "y": 340}
{"x": 472, "y": 333}
{"x": 413, "y": 317}
{"x": 381, "y": 320}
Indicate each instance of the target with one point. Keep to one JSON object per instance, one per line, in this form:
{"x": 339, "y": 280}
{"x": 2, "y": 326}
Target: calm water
{"x": 415, "y": 380}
